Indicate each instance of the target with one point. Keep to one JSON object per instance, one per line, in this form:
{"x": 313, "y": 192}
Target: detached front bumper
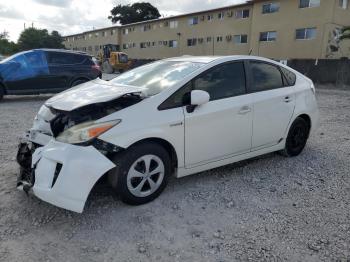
{"x": 64, "y": 174}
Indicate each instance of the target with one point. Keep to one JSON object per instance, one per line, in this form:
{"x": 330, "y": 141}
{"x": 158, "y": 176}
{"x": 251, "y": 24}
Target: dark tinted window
{"x": 289, "y": 76}
{"x": 265, "y": 76}
{"x": 176, "y": 99}
{"x": 64, "y": 58}
{"x": 223, "y": 81}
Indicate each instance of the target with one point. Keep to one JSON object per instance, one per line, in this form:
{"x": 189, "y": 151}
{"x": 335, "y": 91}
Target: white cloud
{"x": 74, "y": 16}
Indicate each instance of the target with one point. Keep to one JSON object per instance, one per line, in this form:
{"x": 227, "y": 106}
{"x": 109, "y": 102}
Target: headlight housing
{"x": 84, "y": 132}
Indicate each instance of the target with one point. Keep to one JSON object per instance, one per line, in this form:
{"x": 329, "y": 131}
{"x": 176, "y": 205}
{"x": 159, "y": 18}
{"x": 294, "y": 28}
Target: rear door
{"x": 65, "y": 67}
{"x": 273, "y": 101}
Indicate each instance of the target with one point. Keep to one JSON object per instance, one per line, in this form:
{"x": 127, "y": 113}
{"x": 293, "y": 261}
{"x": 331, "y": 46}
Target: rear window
{"x": 64, "y": 58}
{"x": 289, "y": 76}
{"x": 265, "y": 76}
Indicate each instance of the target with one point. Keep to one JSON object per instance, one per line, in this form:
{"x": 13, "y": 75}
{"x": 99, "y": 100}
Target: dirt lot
{"x": 271, "y": 208}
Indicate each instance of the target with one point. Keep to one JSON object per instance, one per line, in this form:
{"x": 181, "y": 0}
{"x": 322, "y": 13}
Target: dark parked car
{"x": 45, "y": 71}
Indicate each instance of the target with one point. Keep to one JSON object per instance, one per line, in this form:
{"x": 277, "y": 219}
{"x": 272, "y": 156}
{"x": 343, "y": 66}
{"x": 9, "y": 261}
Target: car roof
{"x": 209, "y": 59}
{"x": 61, "y": 50}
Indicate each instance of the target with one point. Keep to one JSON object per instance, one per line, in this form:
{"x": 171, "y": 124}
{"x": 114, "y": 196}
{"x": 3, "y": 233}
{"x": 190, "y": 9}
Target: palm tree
{"x": 345, "y": 33}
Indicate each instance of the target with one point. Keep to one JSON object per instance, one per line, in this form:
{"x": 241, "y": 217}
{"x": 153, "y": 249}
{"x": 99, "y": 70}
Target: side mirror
{"x": 197, "y": 98}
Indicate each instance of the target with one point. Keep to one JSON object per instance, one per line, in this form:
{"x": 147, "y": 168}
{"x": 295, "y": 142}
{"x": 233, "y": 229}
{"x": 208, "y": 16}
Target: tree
{"x": 4, "y": 35}
{"x": 32, "y": 38}
{"x": 7, "y": 47}
{"x": 137, "y": 12}
{"x": 345, "y": 33}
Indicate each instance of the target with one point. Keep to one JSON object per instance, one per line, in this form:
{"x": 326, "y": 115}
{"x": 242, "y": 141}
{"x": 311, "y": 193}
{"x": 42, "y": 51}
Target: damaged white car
{"x": 175, "y": 116}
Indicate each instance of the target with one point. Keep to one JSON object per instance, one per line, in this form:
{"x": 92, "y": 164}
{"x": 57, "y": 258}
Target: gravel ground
{"x": 267, "y": 209}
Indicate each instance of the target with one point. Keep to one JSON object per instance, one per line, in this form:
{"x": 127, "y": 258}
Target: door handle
{"x": 244, "y": 110}
{"x": 287, "y": 99}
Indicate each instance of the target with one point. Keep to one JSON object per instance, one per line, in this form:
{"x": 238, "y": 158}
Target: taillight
{"x": 96, "y": 67}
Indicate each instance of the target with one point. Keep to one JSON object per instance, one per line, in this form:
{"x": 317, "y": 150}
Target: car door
{"x": 222, "y": 127}
{"x": 273, "y": 104}
{"x": 61, "y": 69}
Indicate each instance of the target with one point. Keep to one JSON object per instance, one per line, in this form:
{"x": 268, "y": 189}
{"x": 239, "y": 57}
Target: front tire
{"x": 297, "y": 138}
{"x": 141, "y": 173}
{"x": 2, "y": 92}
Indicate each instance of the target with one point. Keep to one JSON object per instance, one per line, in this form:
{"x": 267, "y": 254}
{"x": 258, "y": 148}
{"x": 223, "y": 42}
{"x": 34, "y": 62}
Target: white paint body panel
{"x": 218, "y": 129}
{"x": 217, "y": 133}
{"x": 81, "y": 169}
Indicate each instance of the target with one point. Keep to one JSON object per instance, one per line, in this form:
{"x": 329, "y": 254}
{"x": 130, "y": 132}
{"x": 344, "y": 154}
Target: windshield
{"x": 157, "y": 76}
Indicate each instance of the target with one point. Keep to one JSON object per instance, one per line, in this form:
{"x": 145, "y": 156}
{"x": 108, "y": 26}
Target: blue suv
{"x": 45, "y": 71}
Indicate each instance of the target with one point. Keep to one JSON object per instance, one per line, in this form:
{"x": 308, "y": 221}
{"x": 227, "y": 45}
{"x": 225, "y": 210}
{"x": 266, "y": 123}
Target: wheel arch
{"x": 78, "y": 78}
{"x": 2, "y": 85}
{"x": 307, "y": 119}
{"x": 167, "y": 146}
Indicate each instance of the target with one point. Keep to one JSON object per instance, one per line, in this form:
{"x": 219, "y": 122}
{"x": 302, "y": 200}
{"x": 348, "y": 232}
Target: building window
{"x": 191, "y": 42}
{"x": 242, "y": 14}
{"x": 193, "y": 20}
{"x": 270, "y": 8}
{"x": 173, "y": 43}
{"x": 240, "y": 39}
{"x": 268, "y": 36}
{"x": 343, "y": 4}
{"x": 305, "y": 33}
{"x": 309, "y": 3}
{"x": 208, "y": 39}
{"x": 210, "y": 17}
{"x": 173, "y": 24}
{"x": 143, "y": 45}
{"x": 219, "y": 39}
{"x": 125, "y": 46}
{"x": 145, "y": 28}
{"x": 125, "y": 31}
{"x": 221, "y": 15}
{"x": 90, "y": 35}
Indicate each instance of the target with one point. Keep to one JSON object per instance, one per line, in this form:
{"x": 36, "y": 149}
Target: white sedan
{"x": 177, "y": 116}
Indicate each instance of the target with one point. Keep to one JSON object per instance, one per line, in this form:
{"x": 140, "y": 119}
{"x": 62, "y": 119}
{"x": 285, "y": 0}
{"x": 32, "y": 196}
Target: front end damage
{"x": 64, "y": 174}
{"x": 60, "y": 173}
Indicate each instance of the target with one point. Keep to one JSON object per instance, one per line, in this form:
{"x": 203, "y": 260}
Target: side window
{"x": 223, "y": 81}
{"x": 265, "y": 76}
{"x": 28, "y": 65}
{"x": 176, "y": 99}
{"x": 64, "y": 59}
{"x": 289, "y": 76}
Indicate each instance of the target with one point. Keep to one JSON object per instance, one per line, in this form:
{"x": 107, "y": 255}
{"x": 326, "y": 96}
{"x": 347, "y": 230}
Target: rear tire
{"x": 141, "y": 173}
{"x": 297, "y": 138}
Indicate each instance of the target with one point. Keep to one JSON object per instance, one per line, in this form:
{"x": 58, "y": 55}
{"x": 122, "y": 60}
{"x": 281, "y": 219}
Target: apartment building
{"x": 278, "y": 29}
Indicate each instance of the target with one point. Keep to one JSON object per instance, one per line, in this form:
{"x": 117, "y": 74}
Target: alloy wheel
{"x": 145, "y": 175}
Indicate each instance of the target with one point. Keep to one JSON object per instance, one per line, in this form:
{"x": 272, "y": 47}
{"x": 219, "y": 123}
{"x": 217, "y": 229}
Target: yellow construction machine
{"x": 111, "y": 59}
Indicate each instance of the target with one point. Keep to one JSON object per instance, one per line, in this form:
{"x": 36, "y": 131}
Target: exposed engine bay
{"x": 64, "y": 120}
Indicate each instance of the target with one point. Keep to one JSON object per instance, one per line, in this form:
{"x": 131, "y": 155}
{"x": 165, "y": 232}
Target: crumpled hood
{"x": 95, "y": 91}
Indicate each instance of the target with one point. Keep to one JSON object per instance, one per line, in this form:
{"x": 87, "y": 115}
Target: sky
{"x": 75, "y": 16}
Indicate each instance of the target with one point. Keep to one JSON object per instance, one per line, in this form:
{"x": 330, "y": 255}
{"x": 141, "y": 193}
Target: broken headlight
{"x": 84, "y": 132}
